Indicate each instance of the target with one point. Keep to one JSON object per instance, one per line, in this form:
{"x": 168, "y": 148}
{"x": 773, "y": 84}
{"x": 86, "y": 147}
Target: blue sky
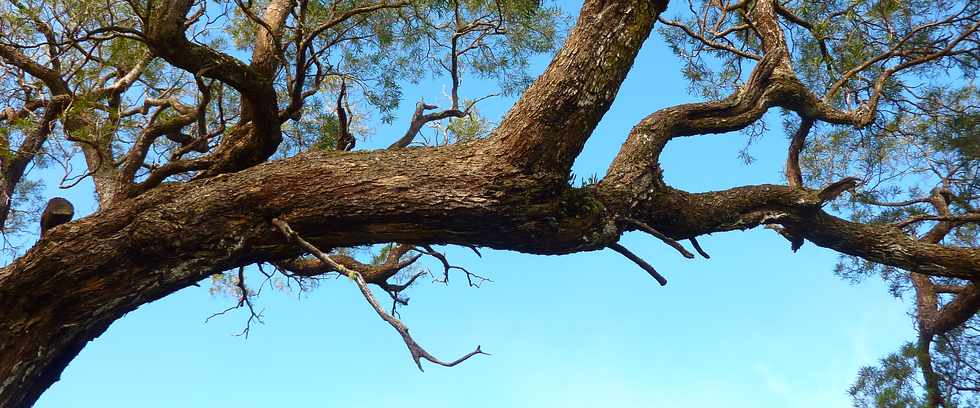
{"x": 754, "y": 326}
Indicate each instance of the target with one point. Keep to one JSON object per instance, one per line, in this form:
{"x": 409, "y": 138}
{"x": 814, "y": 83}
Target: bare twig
{"x": 427, "y": 249}
{"x": 640, "y": 262}
{"x": 667, "y": 240}
{"x": 958, "y": 219}
{"x": 697, "y": 247}
{"x": 709, "y": 42}
{"x": 418, "y": 353}
{"x": 243, "y": 301}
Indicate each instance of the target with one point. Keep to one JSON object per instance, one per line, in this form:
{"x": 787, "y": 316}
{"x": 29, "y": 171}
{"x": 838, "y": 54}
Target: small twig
{"x": 697, "y": 247}
{"x": 243, "y": 301}
{"x": 398, "y": 288}
{"x": 447, "y": 267}
{"x": 475, "y": 250}
{"x": 418, "y": 353}
{"x": 640, "y": 262}
{"x": 395, "y": 290}
{"x": 667, "y": 240}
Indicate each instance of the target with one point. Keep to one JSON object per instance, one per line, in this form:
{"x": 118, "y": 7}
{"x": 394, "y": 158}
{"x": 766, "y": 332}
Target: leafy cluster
{"x": 895, "y": 381}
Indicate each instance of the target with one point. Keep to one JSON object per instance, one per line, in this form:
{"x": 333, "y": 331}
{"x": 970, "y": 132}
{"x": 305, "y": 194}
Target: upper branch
{"x": 164, "y": 33}
{"x": 547, "y": 127}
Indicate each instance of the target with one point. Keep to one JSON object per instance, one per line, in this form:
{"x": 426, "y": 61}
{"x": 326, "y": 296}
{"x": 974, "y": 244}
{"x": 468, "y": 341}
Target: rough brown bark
{"x": 932, "y": 319}
{"x": 458, "y": 194}
{"x": 506, "y": 192}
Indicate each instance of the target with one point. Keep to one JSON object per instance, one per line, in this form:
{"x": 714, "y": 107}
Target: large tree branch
{"x": 547, "y": 127}
{"x": 138, "y": 250}
{"x": 682, "y": 215}
{"x": 258, "y": 135}
{"x": 13, "y": 165}
{"x": 506, "y": 192}
{"x": 141, "y": 249}
{"x": 164, "y": 33}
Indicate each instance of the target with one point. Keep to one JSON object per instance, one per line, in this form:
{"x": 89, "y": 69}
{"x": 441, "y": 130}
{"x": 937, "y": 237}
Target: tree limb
{"x": 418, "y": 353}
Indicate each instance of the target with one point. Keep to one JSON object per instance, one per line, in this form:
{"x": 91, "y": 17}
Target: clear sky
{"x": 754, "y": 326}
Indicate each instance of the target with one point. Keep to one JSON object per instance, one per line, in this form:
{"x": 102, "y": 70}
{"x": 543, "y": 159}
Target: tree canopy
{"x": 223, "y": 134}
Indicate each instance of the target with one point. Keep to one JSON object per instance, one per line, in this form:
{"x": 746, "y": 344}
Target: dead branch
{"x": 639, "y": 262}
{"x": 418, "y": 353}
{"x": 667, "y": 240}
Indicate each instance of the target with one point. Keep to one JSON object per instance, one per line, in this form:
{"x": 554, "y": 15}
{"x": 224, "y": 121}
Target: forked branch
{"x": 418, "y": 353}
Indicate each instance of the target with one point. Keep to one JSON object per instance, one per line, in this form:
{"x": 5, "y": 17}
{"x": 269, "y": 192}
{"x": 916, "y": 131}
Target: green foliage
{"x": 903, "y": 156}
{"x": 923, "y": 138}
{"x": 891, "y": 384}
{"x": 30, "y": 201}
{"x": 896, "y": 380}
{"x": 379, "y": 257}
{"x": 468, "y": 128}
{"x": 327, "y": 131}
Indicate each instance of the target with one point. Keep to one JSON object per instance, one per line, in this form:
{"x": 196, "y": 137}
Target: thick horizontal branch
{"x": 505, "y": 192}
{"x": 141, "y": 249}
{"x": 144, "y": 248}
{"x": 682, "y": 215}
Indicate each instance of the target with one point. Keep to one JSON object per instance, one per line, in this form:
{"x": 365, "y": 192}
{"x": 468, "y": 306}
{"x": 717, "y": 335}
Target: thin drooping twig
{"x": 697, "y": 247}
{"x": 667, "y": 240}
{"x": 475, "y": 250}
{"x": 418, "y": 353}
{"x": 243, "y": 300}
{"x": 640, "y": 262}
{"x": 446, "y": 266}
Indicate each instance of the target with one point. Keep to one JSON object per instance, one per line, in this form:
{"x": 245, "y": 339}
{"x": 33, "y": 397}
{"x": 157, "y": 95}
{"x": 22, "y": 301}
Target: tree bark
{"x": 507, "y": 192}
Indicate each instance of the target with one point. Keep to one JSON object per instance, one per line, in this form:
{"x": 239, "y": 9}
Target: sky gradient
{"x": 755, "y": 326}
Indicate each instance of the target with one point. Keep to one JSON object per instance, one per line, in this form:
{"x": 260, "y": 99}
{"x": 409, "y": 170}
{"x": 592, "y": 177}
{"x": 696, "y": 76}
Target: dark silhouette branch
{"x": 667, "y": 240}
{"x": 639, "y": 262}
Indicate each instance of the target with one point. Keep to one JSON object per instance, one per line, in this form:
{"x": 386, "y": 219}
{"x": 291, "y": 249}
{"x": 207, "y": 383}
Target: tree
{"x": 218, "y": 139}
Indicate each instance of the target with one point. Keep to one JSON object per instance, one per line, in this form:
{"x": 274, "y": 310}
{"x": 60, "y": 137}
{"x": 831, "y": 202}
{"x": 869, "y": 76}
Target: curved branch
{"x": 793, "y": 174}
{"x": 547, "y": 128}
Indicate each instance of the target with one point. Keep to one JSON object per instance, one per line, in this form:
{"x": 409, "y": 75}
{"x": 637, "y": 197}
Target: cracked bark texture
{"x": 508, "y": 191}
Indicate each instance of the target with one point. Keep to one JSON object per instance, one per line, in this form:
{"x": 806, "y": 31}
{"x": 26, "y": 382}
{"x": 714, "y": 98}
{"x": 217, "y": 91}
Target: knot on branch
{"x": 57, "y": 212}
